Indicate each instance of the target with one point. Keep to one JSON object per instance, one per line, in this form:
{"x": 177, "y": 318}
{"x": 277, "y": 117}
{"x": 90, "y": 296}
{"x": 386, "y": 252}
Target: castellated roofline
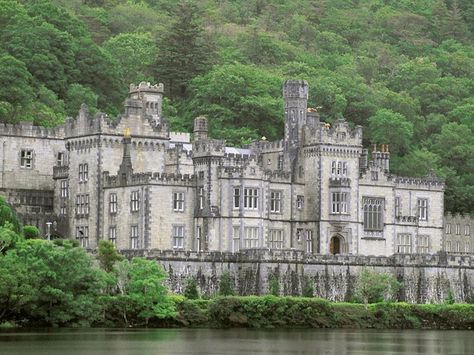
{"x": 150, "y": 178}
{"x": 146, "y": 87}
{"x": 28, "y": 129}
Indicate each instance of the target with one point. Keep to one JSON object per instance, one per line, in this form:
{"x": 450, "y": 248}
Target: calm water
{"x": 235, "y": 341}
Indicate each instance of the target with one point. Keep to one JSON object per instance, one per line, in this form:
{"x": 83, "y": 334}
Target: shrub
{"x": 31, "y": 232}
{"x": 274, "y": 285}
{"x": 226, "y": 285}
{"x": 190, "y": 289}
{"x": 374, "y": 287}
{"x": 308, "y": 287}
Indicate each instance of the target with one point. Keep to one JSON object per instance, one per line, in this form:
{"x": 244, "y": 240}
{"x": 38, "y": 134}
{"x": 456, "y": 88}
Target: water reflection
{"x": 234, "y": 341}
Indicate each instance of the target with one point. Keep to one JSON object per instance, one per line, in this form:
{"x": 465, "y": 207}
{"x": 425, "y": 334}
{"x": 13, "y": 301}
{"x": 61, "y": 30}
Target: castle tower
{"x": 295, "y": 94}
{"x": 150, "y": 95}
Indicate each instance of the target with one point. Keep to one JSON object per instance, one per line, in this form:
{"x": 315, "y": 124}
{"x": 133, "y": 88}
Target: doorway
{"x": 335, "y": 245}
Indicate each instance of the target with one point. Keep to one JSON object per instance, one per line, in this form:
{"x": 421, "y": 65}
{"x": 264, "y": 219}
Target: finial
{"x": 375, "y": 147}
{"x": 126, "y": 132}
{"x": 264, "y": 138}
{"x": 386, "y": 149}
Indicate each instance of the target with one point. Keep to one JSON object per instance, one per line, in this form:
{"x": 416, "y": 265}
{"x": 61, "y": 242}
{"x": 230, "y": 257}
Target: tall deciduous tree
{"x": 184, "y": 52}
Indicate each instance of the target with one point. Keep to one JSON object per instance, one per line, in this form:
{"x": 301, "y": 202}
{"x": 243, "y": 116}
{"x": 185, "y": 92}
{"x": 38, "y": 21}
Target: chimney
{"x": 200, "y": 128}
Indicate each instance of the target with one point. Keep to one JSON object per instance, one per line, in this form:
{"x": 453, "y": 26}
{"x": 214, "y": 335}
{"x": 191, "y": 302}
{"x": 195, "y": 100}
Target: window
{"x": 467, "y": 247}
{"x": 134, "y": 238}
{"x": 309, "y": 241}
{"x": 339, "y": 202}
{"x": 235, "y": 239}
{"x": 178, "y": 237}
{"x": 448, "y": 245}
{"x": 397, "y": 207}
{"x": 82, "y": 235}
{"x": 113, "y": 206}
{"x": 275, "y": 239}
{"x": 448, "y": 228}
{"x": 236, "y": 197}
{"x": 423, "y": 244}
{"x": 134, "y": 201}
{"x": 422, "y": 209}
{"x": 404, "y": 243}
{"x": 178, "y": 201}
{"x": 339, "y": 168}
{"x": 63, "y": 210}
{"x": 201, "y": 197}
{"x": 83, "y": 172}
{"x": 251, "y": 237}
{"x": 299, "y": 234}
{"x": 250, "y": 198}
{"x": 300, "y": 171}
{"x": 82, "y": 205}
{"x": 458, "y": 229}
{"x": 113, "y": 235}
{"x": 299, "y": 202}
{"x": 61, "y": 159}
{"x": 373, "y": 213}
{"x": 280, "y": 162}
{"x": 275, "y": 201}
{"x": 198, "y": 238}
{"x": 26, "y": 158}
{"x": 374, "y": 175}
{"x": 64, "y": 188}
{"x": 467, "y": 229}
{"x": 458, "y": 247}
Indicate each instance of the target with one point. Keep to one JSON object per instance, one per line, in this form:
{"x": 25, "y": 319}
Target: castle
{"x": 135, "y": 183}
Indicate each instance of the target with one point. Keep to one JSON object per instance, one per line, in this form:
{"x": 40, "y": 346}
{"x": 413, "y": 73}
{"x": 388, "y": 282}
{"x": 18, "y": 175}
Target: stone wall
{"x": 426, "y": 278}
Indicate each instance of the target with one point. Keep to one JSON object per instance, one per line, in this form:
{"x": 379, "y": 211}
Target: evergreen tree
{"x": 183, "y": 52}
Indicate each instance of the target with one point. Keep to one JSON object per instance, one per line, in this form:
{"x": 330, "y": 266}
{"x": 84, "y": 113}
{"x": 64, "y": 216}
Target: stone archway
{"x": 335, "y": 245}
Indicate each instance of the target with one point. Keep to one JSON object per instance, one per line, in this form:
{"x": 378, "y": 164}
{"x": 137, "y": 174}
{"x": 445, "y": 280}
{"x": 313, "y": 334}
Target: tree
{"x": 7, "y": 215}
{"x": 226, "y": 285}
{"x": 15, "y": 92}
{"x": 31, "y": 232}
{"x": 184, "y": 51}
{"x": 190, "y": 289}
{"x": 372, "y": 286}
{"x": 388, "y": 127}
{"x": 76, "y": 96}
{"x": 142, "y": 292}
{"x": 274, "y": 285}
{"x": 134, "y": 54}
{"x": 107, "y": 255}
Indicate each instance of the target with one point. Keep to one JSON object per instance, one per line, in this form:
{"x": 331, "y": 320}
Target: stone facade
{"x": 130, "y": 180}
{"x": 458, "y": 236}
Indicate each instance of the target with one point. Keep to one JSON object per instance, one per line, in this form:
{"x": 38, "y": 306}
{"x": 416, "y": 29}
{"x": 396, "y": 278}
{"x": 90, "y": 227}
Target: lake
{"x": 234, "y": 341}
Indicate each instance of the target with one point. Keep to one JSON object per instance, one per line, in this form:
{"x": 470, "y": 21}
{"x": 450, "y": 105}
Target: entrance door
{"x": 335, "y": 245}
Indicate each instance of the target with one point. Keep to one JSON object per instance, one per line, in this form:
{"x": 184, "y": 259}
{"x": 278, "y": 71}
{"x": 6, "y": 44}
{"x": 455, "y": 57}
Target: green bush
{"x": 190, "y": 289}
{"x": 274, "y": 285}
{"x": 308, "y": 287}
{"x": 31, "y": 232}
{"x": 226, "y": 285}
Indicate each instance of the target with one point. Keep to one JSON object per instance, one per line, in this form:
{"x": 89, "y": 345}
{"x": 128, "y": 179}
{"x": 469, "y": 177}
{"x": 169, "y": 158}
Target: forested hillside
{"x": 404, "y": 69}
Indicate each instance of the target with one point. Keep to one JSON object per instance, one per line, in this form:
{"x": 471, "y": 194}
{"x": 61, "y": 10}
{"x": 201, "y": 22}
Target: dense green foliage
{"x": 57, "y": 284}
{"x": 372, "y": 287}
{"x": 403, "y": 69}
{"x": 271, "y": 312}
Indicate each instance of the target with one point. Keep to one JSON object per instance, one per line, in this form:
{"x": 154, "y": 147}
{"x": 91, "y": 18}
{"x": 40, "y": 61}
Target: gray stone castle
{"x": 135, "y": 183}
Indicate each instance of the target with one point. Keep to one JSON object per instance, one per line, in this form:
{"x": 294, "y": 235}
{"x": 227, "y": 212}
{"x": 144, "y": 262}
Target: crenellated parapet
{"x": 149, "y": 178}
{"x": 429, "y": 181}
{"x": 209, "y": 148}
{"x": 146, "y": 87}
{"x": 28, "y": 129}
{"x": 264, "y": 146}
{"x": 339, "y": 133}
{"x": 277, "y": 176}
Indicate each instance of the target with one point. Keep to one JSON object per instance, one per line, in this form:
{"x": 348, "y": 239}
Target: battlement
{"x": 146, "y": 86}
{"x": 265, "y": 146}
{"x": 430, "y": 180}
{"x": 180, "y": 137}
{"x": 458, "y": 217}
{"x": 150, "y": 179}
{"x": 277, "y": 175}
{"x": 28, "y": 129}
{"x": 295, "y": 256}
{"x": 234, "y": 158}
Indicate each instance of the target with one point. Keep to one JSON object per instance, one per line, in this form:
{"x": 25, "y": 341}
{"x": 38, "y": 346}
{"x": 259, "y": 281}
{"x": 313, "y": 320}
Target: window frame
{"x": 404, "y": 243}
{"x": 251, "y": 197}
{"x": 276, "y": 239}
{"x": 135, "y": 201}
{"x": 276, "y": 201}
{"x": 134, "y": 237}
{"x": 251, "y": 237}
{"x": 26, "y": 158}
{"x": 373, "y": 220}
{"x": 339, "y": 202}
{"x": 112, "y": 237}
{"x": 177, "y": 236}
{"x": 178, "y": 201}
{"x": 422, "y": 208}
{"x": 113, "y": 203}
